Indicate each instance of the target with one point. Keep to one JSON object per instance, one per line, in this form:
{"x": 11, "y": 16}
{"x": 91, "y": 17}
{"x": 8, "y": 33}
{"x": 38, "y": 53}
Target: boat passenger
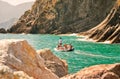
{"x": 60, "y": 41}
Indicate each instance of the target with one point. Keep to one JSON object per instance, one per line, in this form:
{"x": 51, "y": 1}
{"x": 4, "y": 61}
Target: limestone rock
{"x": 62, "y": 16}
{"x": 56, "y": 65}
{"x": 18, "y": 55}
{"x": 97, "y": 72}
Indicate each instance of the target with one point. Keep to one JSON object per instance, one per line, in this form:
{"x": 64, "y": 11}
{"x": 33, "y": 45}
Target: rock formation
{"x": 56, "y": 65}
{"x": 7, "y": 73}
{"x": 109, "y": 29}
{"x": 62, "y": 16}
{"x": 18, "y": 60}
{"x": 97, "y": 72}
{"x": 2, "y": 30}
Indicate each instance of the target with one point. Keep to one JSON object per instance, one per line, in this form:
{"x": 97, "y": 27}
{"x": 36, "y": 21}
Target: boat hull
{"x": 63, "y": 50}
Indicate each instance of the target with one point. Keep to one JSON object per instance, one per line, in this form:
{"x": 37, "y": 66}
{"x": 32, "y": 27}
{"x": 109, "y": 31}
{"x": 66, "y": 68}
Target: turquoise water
{"x": 84, "y": 55}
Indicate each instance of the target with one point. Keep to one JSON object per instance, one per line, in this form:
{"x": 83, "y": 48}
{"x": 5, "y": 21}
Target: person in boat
{"x": 60, "y": 41}
{"x": 59, "y": 46}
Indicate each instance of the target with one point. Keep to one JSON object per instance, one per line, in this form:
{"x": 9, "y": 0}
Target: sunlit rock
{"x": 18, "y": 55}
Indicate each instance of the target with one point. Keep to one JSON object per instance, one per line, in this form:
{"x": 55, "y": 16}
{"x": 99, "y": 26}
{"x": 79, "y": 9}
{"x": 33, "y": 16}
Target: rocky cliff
{"x": 62, "y": 16}
{"x": 109, "y": 29}
{"x": 56, "y": 65}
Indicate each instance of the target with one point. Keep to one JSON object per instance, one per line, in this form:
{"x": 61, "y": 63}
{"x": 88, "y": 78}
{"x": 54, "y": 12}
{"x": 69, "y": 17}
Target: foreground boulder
{"x": 56, "y": 65}
{"x": 97, "y": 72}
{"x": 18, "y": 59}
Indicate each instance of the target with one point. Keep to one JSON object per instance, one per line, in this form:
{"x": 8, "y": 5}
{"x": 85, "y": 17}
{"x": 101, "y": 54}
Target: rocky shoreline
{"x": 18, "y": 60}
{"x": 85, "y": 37}
{"x": 109, "y": 29}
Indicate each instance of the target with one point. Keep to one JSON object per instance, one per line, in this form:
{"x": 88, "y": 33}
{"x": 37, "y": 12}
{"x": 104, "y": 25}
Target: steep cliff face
{"x": 109, "y": 29}
{"x": 62, "y": 16}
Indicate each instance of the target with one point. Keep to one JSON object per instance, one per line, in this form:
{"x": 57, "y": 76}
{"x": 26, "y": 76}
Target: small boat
{"x": 64, "y": 48}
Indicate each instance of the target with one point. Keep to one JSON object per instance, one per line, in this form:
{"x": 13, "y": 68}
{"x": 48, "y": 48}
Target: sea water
{"x": 85, "y": 54}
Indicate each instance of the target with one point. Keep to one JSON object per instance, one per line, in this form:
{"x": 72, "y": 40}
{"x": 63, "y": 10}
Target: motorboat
{"x": 64, "y": 48}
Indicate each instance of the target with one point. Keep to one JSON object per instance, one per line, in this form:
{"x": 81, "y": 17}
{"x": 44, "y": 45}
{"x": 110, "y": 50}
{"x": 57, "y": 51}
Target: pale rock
{"x": 7, "y": 73}
{"x": 18, "y": 55}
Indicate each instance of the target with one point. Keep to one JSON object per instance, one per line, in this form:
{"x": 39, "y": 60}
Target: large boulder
{"x": 18, "y": 58}
{"x": 111, "y": 71}
{"x": 56, "y": 65}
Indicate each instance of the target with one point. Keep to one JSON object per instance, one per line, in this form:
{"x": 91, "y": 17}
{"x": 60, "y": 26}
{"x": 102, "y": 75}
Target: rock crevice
{"x": 109, "y": 29}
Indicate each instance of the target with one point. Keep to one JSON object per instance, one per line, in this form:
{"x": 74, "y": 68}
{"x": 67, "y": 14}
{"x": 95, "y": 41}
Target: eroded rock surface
{"x": 62, "y": 16}
{"x": 56, "y": 65}
{"x": 111, "y": 71}
{"x": 109, "y": 29}
{"x": 18, "y": 59}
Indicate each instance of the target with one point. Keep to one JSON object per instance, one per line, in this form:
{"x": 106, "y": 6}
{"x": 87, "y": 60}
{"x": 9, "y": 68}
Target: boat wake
{"x": 92, "y": 55}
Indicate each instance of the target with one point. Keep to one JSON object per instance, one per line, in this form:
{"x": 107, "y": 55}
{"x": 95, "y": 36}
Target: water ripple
{"x": 92, "y": 55}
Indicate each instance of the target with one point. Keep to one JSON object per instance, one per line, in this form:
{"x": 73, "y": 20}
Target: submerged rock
{"x": 62, "y": 16}
{"x": 18, "y": 59}
{"x": 56, "y": 65}
{"x": 97, "y": 72}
